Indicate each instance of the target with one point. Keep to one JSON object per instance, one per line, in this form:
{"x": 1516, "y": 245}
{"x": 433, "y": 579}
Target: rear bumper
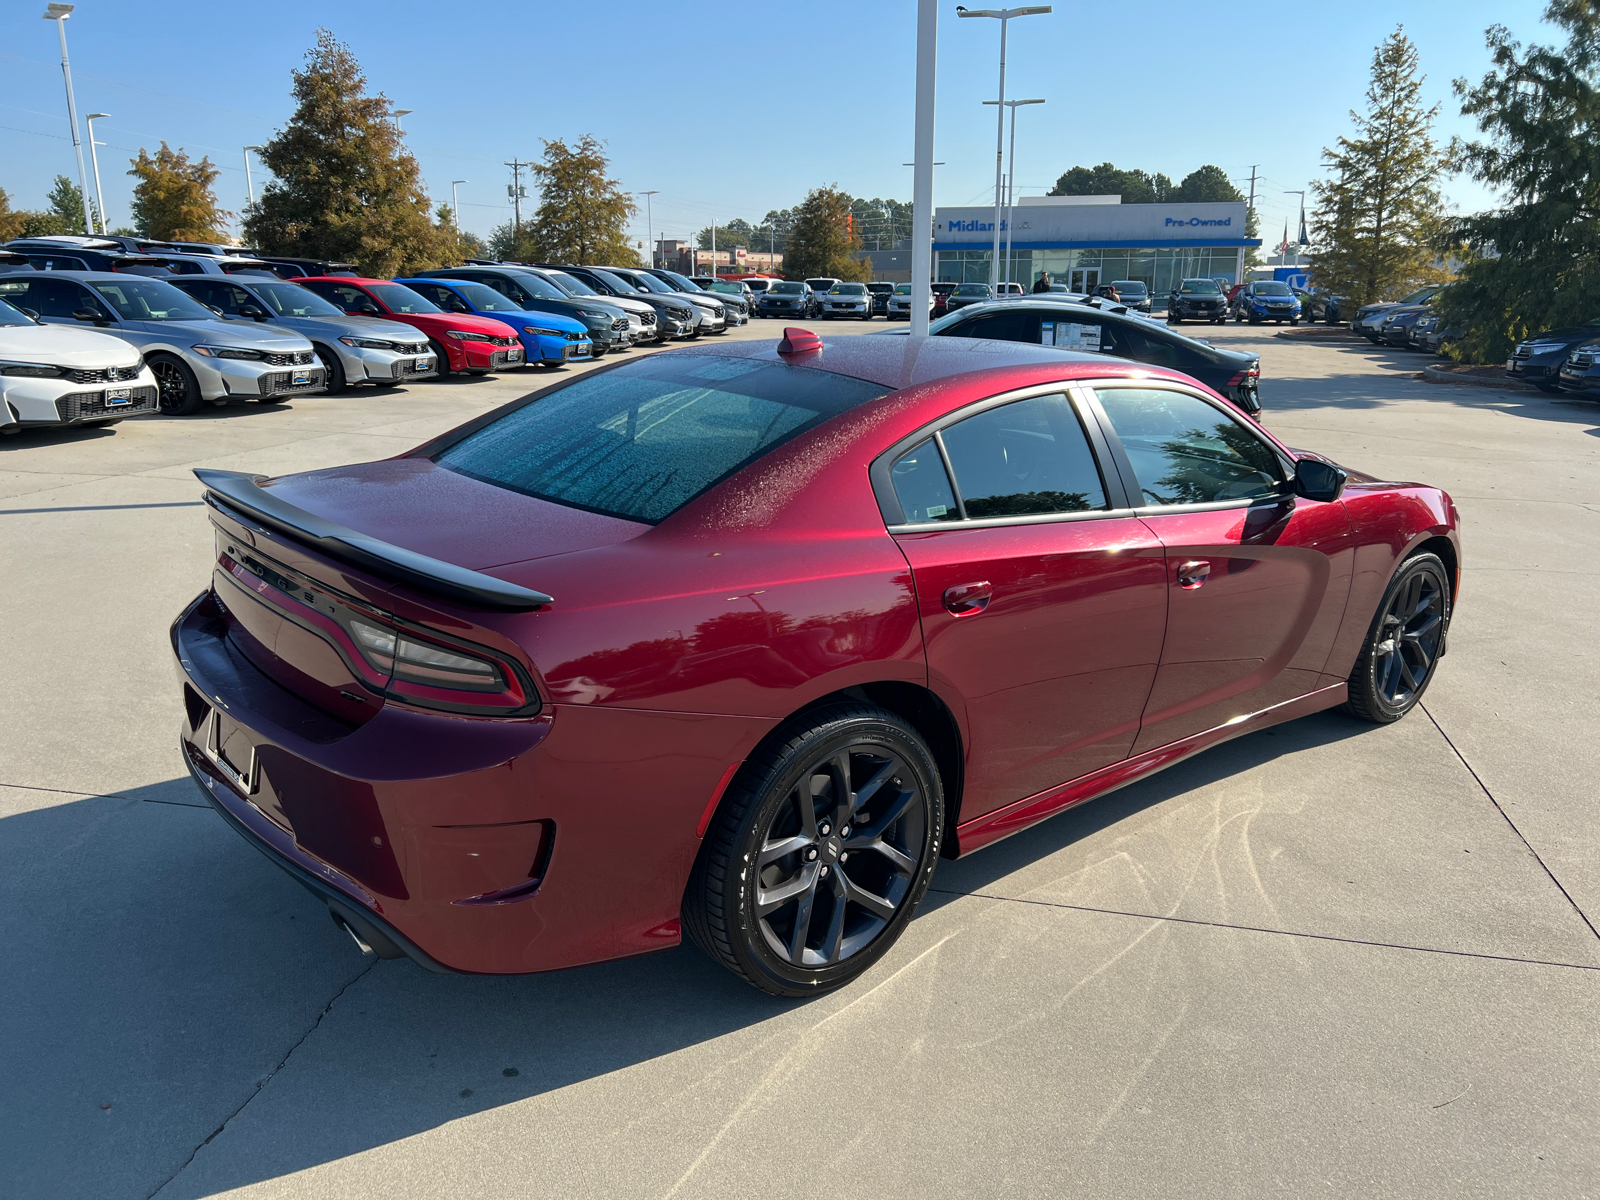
{"x": 470, "y": 845}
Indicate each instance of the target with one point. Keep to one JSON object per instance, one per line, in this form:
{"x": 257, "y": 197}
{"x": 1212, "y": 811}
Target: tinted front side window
{"x": 643, "y": 440}
{"x": 151, "y": 300}
{"x": 53, "y": 297}
{"x": 292, "y": 300}
{"x": 1184, "y": 451}
{"x": 1023, "y": 458}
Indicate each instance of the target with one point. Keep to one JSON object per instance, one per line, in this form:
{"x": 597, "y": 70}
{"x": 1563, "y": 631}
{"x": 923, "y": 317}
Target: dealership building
{"x": 1088, "y": 240}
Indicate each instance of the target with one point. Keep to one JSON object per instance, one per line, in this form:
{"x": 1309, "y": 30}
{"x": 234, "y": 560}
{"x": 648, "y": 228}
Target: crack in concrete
{"x": 1582, "y": 916}
{"x": 28, "y": 787}
{"x": 1292, "y": 933}
{"x": 261, "y": 1083}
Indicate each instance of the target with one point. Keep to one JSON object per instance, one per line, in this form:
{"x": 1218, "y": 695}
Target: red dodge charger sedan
{"x": 742, "y": 640}
{"x": 461, "y": 342}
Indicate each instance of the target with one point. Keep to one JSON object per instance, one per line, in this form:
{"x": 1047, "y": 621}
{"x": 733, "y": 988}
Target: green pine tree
{"x": 345, "y": 187}
{"x": 822, "y": 242}
{"x": 173, "y": 200}
{"x": 1379, "y": 214}
{"x": 1535, "y": 262}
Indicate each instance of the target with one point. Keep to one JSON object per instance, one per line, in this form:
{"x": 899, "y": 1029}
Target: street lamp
{"x": 249, "y": 184}
{"x": 1003, "y": 15}
{"x": 455, "y": 203}
{"x": 650, "y": 229}
{"x": 94, "y": 158}
{"x": 59, "y": 14}
{"x": 402, "y": 112}
{"x": 1011, "y": 174}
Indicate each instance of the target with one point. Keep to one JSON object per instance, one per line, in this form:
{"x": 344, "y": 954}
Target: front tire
{"x": 440, "y": 357}
{"x": 1403, "y": 644}
{"x": 332, "y": 368}
{"x": 177, "y": 390}
{"x": 820, "y": 852}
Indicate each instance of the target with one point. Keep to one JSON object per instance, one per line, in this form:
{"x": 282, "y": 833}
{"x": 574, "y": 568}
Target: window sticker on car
{"x": 1069, "y": 335}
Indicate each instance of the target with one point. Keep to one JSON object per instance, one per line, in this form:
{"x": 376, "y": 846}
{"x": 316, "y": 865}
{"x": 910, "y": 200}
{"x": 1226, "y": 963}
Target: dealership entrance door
{"x": 1083, "y": 280}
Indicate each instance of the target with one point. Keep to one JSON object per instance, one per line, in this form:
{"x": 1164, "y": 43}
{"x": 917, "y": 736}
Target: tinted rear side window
{"x": 642, "y": 440}
{"x": 1024, "y": 458}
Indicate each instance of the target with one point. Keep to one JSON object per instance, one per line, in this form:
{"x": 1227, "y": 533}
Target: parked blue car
{"x": 549, "y": 338}
{"x": 1267, "y": 300}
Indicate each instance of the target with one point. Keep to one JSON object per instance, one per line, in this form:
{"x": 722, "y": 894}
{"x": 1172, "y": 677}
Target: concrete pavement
{"x": 1324, "y": 959}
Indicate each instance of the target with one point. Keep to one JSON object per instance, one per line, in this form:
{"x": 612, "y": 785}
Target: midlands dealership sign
{"x": 1041, "y": 225}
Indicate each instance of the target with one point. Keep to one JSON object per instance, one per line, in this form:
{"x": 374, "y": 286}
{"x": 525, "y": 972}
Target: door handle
{"x": 965, "y": 599}
{"x": 1193, "y": 574}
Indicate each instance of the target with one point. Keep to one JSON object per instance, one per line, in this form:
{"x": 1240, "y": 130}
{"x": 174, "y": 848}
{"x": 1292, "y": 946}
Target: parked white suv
{"x": 50, "y": 375}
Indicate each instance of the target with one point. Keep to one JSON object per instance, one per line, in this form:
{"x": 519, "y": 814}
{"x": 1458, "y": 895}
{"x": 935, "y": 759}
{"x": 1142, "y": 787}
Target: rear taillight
{"x": 391, "y": 657}
{"x": 1252, "y": 375}
{"x": 418, "y": 662}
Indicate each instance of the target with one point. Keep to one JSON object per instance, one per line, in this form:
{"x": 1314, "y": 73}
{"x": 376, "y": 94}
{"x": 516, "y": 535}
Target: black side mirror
{"x": 459, "y": 306}
{"x": 89, "y": 314}
{"x": 28, "y": 312}
{"x": 366, "y": 310}
{"x": 251, "y": 311}
{"x": 1317, "y": 480}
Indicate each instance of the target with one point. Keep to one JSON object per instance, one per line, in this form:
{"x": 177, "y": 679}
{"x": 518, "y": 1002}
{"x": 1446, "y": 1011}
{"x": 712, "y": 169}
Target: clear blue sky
{"x": 733, "y": 109}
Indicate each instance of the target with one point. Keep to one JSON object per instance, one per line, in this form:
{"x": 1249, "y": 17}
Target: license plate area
{"x": 117, "y": 397}
{"x": 300, "y": 379}
{"x": 231, "y": 748}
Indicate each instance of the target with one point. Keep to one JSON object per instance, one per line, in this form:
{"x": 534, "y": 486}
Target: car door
{"x": 1042, "y": 598}
{"x": 1256, "y": 577}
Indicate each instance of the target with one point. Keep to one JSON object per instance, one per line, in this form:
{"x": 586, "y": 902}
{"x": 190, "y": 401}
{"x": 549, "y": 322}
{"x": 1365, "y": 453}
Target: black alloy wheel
{"x": 820, "y": 853}
{"x": 177, "y": 390}
{"x": 333, "y": 369}
{"x": 1404, "y": 644}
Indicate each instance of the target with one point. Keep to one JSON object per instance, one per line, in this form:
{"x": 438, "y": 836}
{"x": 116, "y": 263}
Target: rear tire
{"x": 1403, "y": 643}
{"x": 177, "y": 389}
{"x": 771, "y": 896}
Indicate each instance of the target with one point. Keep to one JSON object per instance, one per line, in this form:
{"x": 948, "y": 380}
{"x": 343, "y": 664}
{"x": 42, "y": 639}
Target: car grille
{"x": 405, "y": 367}
{"x": 108, "y": 375}
{"x": 501, "y": 358}
{"x": 620, "y": 325}
{"x": 648, "y": 318}
{"x": 419, "y": 348}
{"x": 299, "y": 358}
{"x": 274, "y": 382}
{"x": 80, "y": 406}
{"x": 1583, "y": 358}
{"x": 504, "y": 341}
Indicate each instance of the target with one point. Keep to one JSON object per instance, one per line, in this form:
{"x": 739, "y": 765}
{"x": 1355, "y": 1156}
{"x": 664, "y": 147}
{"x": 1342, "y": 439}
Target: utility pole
{"x": 713, "y": 248}
{"x": 517, "y": 192}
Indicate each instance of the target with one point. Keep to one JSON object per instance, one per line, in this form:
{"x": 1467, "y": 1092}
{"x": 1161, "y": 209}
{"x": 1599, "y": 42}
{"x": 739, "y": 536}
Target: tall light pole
{"x": 1011, "y": 174}
{"x": 402, "y": 112}
{"x": 249, "y": 184}
{"x": 1003, "y": 15}
{"x": 922, "y": 170}
{"x": 455, "y": 203}
{"x": 59, "y": 14}
{"x": 650, "y": 227}
{"x": 99, "y": 197}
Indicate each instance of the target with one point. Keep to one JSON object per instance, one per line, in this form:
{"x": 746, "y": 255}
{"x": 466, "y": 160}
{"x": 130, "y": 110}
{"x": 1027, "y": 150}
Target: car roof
{"x": 97, "y": 276}
{"x": 339, "y": 279}
{"x": 900, "y": 362}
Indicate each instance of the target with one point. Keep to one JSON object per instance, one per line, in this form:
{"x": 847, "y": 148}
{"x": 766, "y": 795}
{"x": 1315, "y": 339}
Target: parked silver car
{"x": 211, "y": 264}
{"x": 713, "y": 313}
{"x": 195, "y": 354}
{"x": 353, "y": 350}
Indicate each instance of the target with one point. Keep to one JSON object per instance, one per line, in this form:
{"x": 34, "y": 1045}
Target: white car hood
{"x": 63, "y": 346}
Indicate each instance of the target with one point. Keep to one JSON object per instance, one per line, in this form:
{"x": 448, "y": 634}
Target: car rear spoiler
{"x": 232, "y": 489}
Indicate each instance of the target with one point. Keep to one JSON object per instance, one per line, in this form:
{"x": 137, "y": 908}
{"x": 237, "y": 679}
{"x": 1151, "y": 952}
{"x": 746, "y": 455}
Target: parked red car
{"x": 941, "y": 299}
{"x": 470, "y": 344}
{"x": 744, "y": 639}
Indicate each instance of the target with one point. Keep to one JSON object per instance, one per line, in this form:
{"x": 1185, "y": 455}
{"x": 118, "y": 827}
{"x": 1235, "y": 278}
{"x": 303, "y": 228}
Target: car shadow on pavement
{"x": 176, "y": 1008}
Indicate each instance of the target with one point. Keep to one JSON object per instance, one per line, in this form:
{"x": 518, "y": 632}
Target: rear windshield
{"x": 641, "y": 441}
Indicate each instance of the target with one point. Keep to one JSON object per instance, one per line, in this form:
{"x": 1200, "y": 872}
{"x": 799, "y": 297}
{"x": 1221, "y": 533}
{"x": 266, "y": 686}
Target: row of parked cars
{"x": 209, "y": 326}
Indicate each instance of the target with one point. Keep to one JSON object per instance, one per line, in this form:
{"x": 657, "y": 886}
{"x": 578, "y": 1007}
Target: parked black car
{"x": 1318, "y": 306}
{"x": 968, "y": 294}
{"x": 1073, "y": 325}
{"x": 880, "y": 298}
{"x": 1134, "y": 293}
{"x": 1430, "y": 336}
{"x": 85, "y": 254}
{"x": 674, "y": 318}
{"x": 1196, "y": 300}
{"x": 1581, "y": 372}
{"x": 299, "y": 268}
{"x": 1539, "y": 359}
{"x": 787, "y": 298}
{"x": 1397, "y": 324}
